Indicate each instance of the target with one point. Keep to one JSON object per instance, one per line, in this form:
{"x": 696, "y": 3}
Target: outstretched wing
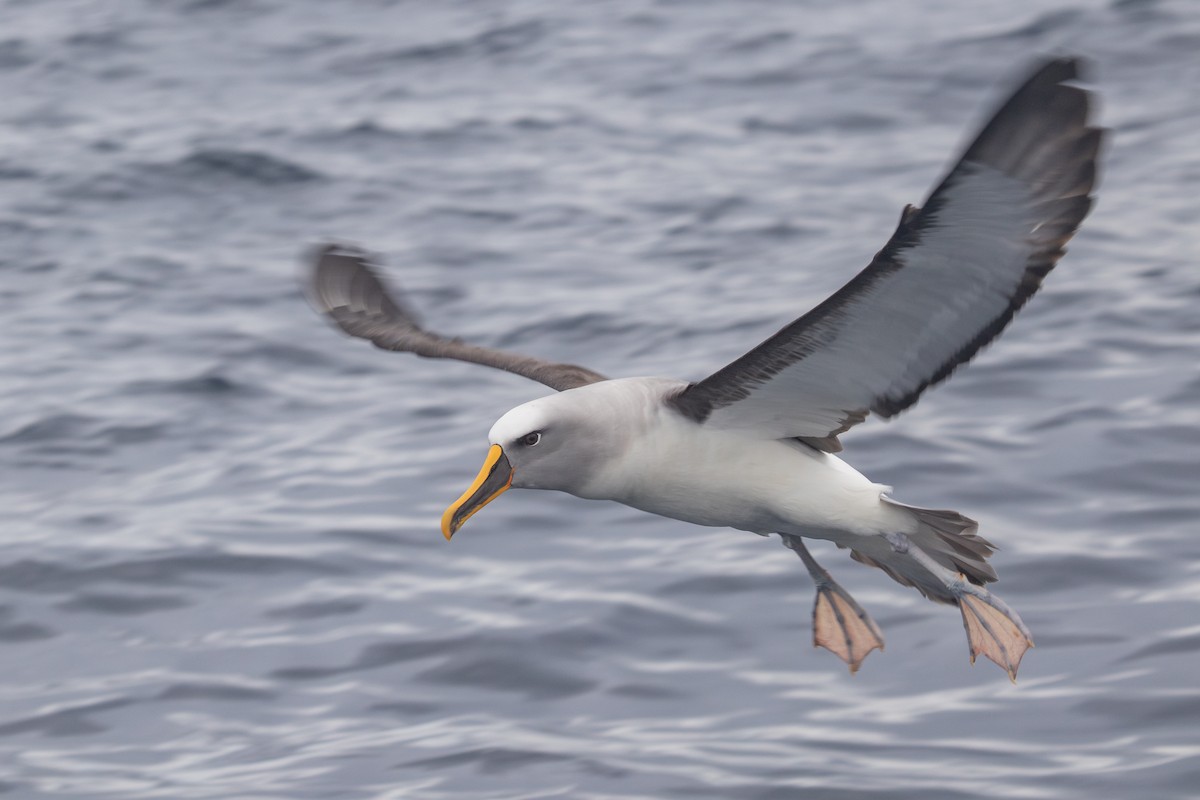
{"x": 345, "y": 289}
{"x": 951, "y": 278}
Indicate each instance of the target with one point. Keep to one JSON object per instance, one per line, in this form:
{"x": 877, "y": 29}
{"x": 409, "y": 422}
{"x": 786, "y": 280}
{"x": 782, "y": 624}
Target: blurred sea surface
{"x": 221, "y": 573}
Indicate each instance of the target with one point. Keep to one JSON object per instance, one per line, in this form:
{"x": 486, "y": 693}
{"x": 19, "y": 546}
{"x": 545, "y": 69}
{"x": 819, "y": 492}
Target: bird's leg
{"x": 839, "y": 623}
{"x": 993, "y": 629}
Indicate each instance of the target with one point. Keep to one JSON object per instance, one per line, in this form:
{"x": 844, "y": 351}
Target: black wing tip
{"x": 343, "y": 281}
{"x": 1057, "y": 69}
{"x": 323, "y": 259}
{"x": 1052, "y": 70}
{"x": 331, "y": 270}
{"x": 319, "y": 251}
{"x": 1045, "y": 102}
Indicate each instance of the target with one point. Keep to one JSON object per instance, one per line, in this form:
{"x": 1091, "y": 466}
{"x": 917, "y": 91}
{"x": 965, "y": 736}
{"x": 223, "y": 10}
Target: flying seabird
{"x": 752, "y": 445}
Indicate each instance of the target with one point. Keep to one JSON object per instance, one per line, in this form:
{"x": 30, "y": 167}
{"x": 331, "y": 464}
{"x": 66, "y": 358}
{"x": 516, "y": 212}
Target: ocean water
{"x": 221, "y": 574}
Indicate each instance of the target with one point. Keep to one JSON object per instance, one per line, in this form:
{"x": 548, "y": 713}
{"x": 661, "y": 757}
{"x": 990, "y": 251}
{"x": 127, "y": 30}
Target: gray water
{"x": 222, "y": 575}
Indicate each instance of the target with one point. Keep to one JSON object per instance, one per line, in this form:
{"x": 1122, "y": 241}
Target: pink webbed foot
{"x": 994, "y": 630}
{"x": 842, "y": 627}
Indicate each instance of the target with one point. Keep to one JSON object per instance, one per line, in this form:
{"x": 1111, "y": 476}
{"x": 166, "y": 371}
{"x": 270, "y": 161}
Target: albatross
{"x": 752, "y": 446}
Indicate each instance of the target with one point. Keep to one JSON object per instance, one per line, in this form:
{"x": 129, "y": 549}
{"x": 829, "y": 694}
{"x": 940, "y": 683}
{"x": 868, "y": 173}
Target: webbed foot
{"x": 839, "y": 623}
{"x": 842, "y": 627}
{"x": 994, "y": 630}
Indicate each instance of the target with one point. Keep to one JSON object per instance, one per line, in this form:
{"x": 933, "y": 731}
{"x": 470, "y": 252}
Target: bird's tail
{"x": 947, "y": 537}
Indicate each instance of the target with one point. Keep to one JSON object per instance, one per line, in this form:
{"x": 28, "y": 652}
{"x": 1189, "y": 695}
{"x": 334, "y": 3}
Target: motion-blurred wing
{"x": 344, "y": 288}
{"x": 953, "y": 275}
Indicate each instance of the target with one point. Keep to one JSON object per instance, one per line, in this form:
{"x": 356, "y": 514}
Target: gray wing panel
{"x": 947, "y": 283}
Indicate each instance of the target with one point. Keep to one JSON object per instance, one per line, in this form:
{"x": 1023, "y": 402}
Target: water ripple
{"x": 222, "y": 572}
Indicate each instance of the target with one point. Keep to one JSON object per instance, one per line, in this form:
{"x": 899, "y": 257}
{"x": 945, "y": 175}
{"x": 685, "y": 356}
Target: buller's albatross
{"x": 752, "y": 445}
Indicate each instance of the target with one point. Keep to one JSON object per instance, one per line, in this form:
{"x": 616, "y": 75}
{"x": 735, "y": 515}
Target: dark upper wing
{"x": 953, "y": 275}
{"x": 344, "y": 288}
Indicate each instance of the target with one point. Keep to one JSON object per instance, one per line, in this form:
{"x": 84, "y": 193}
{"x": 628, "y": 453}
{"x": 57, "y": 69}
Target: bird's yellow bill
{"x": 491, "y": 482}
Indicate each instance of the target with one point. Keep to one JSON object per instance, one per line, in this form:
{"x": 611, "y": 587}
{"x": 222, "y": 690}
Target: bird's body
{"x": 658, "y": 460}
{"x": 752, "y": 445}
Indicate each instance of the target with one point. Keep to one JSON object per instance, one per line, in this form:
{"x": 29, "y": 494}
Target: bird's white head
{"x": 560, "y": 442}
{"x": 542, "y": 444}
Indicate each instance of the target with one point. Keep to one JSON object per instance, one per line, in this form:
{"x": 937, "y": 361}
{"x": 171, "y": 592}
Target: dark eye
{"x": 530, "y": 439}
